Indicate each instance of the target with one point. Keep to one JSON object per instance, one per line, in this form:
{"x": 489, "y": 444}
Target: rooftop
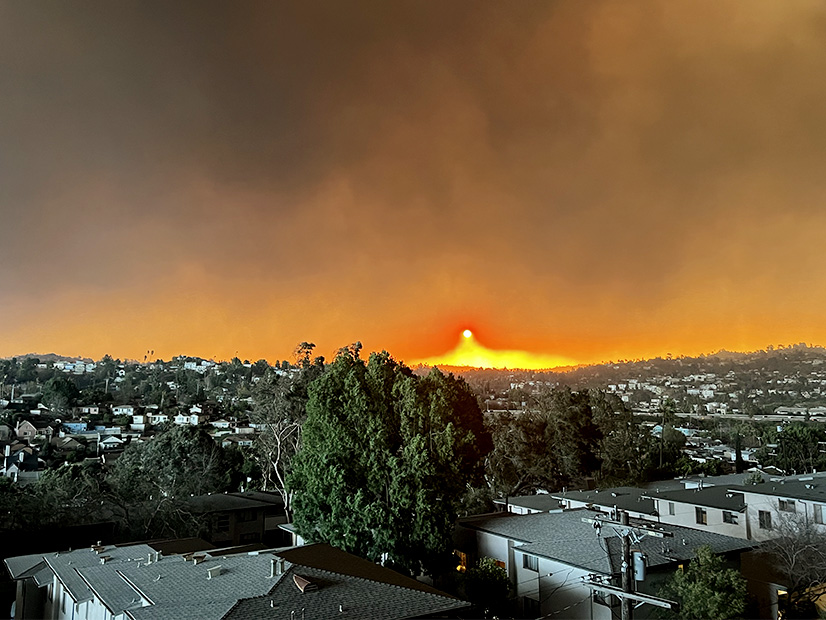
{"x": 712, "y": 497}
{"x": 145, "y": 585}
{"x": 631, "y": 499}
{"x": 565, "y": 537}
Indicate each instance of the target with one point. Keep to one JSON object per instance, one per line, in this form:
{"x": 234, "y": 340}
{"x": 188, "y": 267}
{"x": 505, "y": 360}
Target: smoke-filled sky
{"x": 588, "y": 180}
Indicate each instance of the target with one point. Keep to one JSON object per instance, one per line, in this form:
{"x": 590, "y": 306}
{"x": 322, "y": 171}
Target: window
{"x": 818, "y": 509}
{"x": 702, "y": 515}
{"x": 671, "y": 508}
{"x": 787, "y": 505}
{"x": 462, "y": 557}
{"x": 222, "y": 523}
{"x": 500, "y": 564}
{"x": 764, "y": 518}
{"x": 531, "y": 562}
{"x": 246, "y": 515}
{"x": 729, "y": 517}
{"x": 531, "y": 607}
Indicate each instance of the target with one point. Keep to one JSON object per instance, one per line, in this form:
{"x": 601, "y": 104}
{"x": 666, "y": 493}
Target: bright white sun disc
{"x": 467, "y": 333}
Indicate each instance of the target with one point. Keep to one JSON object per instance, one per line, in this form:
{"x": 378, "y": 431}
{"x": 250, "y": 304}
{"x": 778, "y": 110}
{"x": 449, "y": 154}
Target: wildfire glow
{"x": 469, "y": 352}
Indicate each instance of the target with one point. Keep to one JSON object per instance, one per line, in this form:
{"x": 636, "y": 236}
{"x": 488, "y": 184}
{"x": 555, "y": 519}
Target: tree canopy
{"x": 706, "y": 589}
{"x": 387, "y": 457}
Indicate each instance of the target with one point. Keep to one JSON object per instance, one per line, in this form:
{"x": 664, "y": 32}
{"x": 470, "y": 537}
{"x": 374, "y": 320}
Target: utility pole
{"x": 627, "y": 593}
{"x": 627, "y": 577}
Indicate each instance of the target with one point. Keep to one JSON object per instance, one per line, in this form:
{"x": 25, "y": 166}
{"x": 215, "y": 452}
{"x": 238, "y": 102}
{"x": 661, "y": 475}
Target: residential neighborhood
{"x": 560, "y": 547}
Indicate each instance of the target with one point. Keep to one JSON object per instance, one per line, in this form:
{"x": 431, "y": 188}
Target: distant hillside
{"x": 49, "y": 357}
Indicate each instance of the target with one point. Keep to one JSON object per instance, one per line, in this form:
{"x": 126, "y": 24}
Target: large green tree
{"x": 706, "y": 588}
{"x": 386, "y": 459}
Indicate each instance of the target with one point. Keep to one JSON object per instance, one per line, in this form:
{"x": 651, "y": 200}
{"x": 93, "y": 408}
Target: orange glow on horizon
{"x": 469, "y": 352}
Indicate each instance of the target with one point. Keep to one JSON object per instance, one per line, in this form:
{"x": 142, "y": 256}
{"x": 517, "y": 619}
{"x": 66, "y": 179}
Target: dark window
{"x": 729, "y": 517}
{"x": 764, "y": 518}
{"x": 531, "y": 607}
{"x": 702, "y": 515}
{"x": 818, "y": 508}
{"x": 787, "y": 505}
{"x": 247, "y": 515}
{"x": 531, "y": 562}
{"x": 671, "y": 508}
{"x": 222, "y": 523}
{"x": 250, "y": 537}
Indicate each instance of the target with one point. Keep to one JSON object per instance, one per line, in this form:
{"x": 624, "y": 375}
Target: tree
{"x": 554, "y": 443}
{"x": 797, "y": 448}
{"x": 488, "y": 587}
{"x": 386, "y": 459}
{"x": 60, "y": 394}
{"x": 151, "y": 481}
{"x": 706, "y": 589}
{"x": 798, "y": 555}
{"x": 280, "y": 405}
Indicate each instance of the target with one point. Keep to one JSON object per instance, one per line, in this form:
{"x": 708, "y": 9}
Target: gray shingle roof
{"x": 172, "y": 588}
{"x": 566, "y": 538}
{"x": 342, "y": 596}
{"x": 543, "y": 502}
{"x": 631, "y": 499}
{"x": 712, "y": 497}
{"x": 813, "y": 489}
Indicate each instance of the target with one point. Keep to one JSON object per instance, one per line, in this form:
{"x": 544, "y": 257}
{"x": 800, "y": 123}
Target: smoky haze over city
{"x": 579, "y": 181}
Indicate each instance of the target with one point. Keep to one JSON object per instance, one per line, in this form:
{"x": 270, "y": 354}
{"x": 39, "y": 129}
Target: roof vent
{"x": 809, "y": 486}
{"x": 276, "y": 567}
{"x": 304, "y": 584}
{"x": 105, "y": 558}
{"x": 198, "y": 558}
{"x": 214, "y": 571}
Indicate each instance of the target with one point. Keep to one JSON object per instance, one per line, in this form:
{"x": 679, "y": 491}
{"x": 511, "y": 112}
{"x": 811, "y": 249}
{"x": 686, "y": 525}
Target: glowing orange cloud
{"x": 469, "y": 352}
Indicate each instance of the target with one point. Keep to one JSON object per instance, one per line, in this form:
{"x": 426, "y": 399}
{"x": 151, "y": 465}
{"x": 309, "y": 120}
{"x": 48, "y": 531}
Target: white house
{"x": 549, "y": 556}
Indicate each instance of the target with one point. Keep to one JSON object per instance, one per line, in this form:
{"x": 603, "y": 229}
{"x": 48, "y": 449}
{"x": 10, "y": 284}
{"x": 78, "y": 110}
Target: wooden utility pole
{"x": 627, "y": 576}
{"x": 627, "y": 594}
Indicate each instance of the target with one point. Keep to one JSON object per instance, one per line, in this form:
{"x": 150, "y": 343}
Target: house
{"x": 138, "y": 582}
{"x": 242, "y": 441}
{"x": 88, "y": 410}
{"x": 550, "y": 556}
{"x": 29, "y": 430}
{"x": 802, "y": 498}
{"x": 120, "y": 410}
{"x": 188, "y": 419}
{"x": 714, "y": 509}
{"x": 75, "y": 427}
{"x": 241, "y": 518}
{"x": 157, "y": 418}
{"x": 20, "y": 462}
{"x": 109, "y": 442}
